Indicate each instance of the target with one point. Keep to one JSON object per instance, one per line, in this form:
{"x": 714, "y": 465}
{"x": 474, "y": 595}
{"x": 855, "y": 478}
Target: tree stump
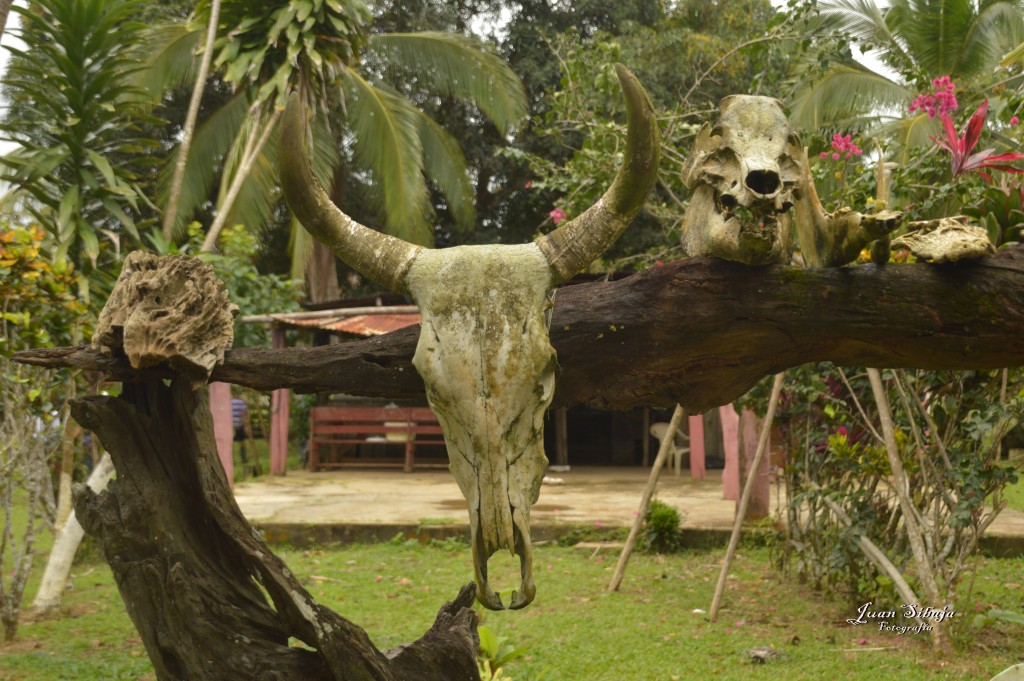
{"x": 209, "y": 598}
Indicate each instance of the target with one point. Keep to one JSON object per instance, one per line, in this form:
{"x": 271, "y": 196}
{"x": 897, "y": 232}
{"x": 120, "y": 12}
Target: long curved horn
{"x": 571, "y": 247}
{"x": 380, "y": 257}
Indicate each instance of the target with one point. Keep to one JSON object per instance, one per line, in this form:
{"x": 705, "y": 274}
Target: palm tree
{"x": 326, "y": 50}
{"x": 918, "y": 39}
{"x": 74, "y": 116}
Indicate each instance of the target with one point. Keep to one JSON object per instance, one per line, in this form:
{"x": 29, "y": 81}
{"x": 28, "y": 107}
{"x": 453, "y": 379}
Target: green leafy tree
{"x": 328, "y": 52}
{"x": 718, "y": 49}
{"x": 75, "y": 117}
{"x": 919, "y": 40}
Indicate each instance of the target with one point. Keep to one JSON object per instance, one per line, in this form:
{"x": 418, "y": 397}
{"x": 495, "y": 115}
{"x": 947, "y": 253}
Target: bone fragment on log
{"x": 945, "y": 240}
{"x": 168, "y": 309}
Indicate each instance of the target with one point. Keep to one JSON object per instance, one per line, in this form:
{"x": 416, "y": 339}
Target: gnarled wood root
{"x": 209, "y": 598}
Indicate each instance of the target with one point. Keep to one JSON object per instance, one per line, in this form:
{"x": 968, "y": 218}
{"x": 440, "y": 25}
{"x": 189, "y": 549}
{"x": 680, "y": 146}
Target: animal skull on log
{"x": 483, "y": 350}
{"x": 751, "y": 182}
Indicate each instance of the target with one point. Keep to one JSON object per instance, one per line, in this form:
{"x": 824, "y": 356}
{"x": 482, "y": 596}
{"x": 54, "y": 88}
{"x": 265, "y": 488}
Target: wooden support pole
{"x": 731, "y": 437}
{"x": 737, "y": 525}
{"x": 652, "y": 483}
{"x": 561, "y": 437}
{"x": 645, "y": 448}
{"x": 280, "y": 401}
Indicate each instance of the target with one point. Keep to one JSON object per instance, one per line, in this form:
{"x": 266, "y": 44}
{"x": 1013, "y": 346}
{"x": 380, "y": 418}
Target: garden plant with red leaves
{"x": 961, "y": 147}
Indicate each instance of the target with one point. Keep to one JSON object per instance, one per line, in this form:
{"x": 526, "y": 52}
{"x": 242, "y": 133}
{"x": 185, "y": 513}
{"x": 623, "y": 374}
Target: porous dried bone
{"x": 945, "y": 240}
{"x": 483, "y": 352}
{"x": 744, "y": 173}
{"x": 834, "y": 239}
{"x": 168, "y": 309}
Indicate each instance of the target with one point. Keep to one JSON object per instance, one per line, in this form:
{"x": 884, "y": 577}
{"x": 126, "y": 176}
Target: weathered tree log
{"x": 699, "y": 332}
{"x": 209, "y": 599}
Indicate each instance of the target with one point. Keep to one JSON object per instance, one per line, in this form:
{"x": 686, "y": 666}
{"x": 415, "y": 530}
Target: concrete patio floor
{"x": 358, "y": 504}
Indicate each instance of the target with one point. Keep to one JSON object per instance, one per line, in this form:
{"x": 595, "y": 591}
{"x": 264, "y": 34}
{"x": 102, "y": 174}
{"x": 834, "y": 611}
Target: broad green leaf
{"x": 68, "y": 206}
{"x": 103, "y": 166}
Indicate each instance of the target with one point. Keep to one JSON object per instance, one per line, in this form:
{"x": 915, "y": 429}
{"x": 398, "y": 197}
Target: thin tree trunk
{"x": 67, "y": 459}
{"x": 5, "y": 10}
{"x": 911, "y": 521}
{"x": 65, "y": 545}
{"x": 253, "y": 148}
{"x": 667, "y": 443}
{"x": 187, "y": 132}
{"x": 741, "y": 512}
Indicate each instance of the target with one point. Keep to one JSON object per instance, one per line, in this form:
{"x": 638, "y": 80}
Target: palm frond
{"x": 910, "y": 132}
{"x": 452, "y": 64}
{"x": 445, "y": 163}
{"x": 846, "y": 91}
{"x": 212, "y": 141}
{"x": 170, "y": 57}
{"x": 866, "y": 23}
{"x": 300, "y": 246}
{"x": 998, "y": 28}
{"x": 254, "y": 205}
{"x": 386, "y": 128}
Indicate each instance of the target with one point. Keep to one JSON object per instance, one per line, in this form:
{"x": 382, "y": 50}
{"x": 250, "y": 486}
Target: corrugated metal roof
{"x": 359, "y": 325}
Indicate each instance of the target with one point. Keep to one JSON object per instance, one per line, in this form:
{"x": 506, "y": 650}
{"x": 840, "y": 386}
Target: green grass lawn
{"x": 1014, "y": 494}
{"x": 574, "y": 629}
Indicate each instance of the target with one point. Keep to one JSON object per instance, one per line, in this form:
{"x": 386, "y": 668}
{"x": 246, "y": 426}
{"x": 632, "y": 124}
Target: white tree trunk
{"x": 189, "y": 128}
{"x": 65, "y": 544}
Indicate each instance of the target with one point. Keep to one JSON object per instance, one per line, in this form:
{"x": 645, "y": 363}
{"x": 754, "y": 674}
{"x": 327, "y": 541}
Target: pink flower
{"x": 1014, "y": 120}
{"x": 940, "y": 102}
{"x": 843, "y": 146}
{"x": 659, "y": 263}
{"x": 597, "y": 523}
{"x": 841, "y": 431}
{"x": 557, "y": 215}
{"x": 529, "y": 183}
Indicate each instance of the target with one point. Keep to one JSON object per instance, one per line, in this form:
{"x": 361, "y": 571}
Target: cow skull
{"x": 483, "y": 350}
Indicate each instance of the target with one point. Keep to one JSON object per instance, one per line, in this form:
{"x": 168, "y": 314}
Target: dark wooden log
{"x": 699, "y": 332}
{"x": 210, "y": 600}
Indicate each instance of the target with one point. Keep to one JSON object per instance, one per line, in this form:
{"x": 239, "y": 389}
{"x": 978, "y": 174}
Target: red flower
{"x": 960, "y": 147}
{"x": 557, "y": 215}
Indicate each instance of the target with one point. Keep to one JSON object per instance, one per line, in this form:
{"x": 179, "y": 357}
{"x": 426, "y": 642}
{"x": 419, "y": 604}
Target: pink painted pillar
{"x": 223, "y": 429}
{"x": 280, "y": 401}
{"x": 696, "y": 446}
{"x": 760, "y": 496}
{"x": 731, "y": 439}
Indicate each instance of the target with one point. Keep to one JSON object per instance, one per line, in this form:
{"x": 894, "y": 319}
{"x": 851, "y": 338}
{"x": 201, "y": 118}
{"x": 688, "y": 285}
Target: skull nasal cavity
{"x": 763, "y": 182}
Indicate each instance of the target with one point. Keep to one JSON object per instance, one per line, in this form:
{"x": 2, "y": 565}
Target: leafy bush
{"x": 495, "y": 653}
{"x": 660, "y": 531}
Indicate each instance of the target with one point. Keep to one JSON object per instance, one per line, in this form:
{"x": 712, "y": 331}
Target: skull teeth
{"x": 524, "y": 549}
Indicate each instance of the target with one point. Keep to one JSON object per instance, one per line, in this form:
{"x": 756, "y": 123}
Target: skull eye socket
{"x": 763, "y": 182}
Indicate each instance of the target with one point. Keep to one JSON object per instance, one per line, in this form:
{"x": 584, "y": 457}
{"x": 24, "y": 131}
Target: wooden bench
{"x": 352, "y": 426}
